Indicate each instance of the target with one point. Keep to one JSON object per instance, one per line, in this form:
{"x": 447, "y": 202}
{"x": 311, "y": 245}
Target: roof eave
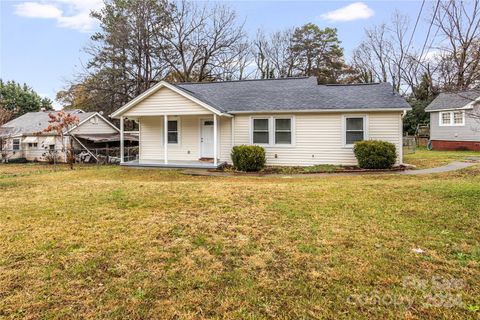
{"x": 323, "y": 110}
{"x": 467, "y": 107}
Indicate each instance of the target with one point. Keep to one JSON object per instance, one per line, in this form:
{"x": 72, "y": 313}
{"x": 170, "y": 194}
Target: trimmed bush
{"x": 248, "y": 158}
{"x": 375, "y": 154}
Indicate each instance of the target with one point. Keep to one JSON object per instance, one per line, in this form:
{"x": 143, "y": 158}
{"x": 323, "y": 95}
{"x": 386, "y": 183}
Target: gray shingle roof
{"x": 293, "y": 94}
{"x": 34, "y": 122}
{"x": 453, "y": 100}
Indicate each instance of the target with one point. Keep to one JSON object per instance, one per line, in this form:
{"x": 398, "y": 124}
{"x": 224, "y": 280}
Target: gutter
{"x": 450, "y": 109}
{"x": 322, "y": 111}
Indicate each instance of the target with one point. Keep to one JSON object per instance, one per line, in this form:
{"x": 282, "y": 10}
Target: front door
{"x": 206, "y": 139}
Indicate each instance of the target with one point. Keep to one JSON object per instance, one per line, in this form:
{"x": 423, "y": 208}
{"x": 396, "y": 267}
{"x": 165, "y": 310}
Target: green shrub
{"x": 374, "y": 154}
{"x": 248, "y": 158}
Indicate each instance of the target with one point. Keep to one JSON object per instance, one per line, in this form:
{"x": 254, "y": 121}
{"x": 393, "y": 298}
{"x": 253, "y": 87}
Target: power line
{"x": 430, "y": 29}
{"x": 438, "y": 27}
{"x": 416, "y": 24}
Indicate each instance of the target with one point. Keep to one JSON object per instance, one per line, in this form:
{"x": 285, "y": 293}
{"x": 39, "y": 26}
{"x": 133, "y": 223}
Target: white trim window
{"x": 459, "y": 118}
{"x": 273, "y": 131}
{"x": 354, "y": 130}
{"x": 283, "y": 131}
{"x": 173, "y": 131}
{"x": 261, "y": 131}
{"x": 451, "y": 118}
{"x": 16, "y": 144}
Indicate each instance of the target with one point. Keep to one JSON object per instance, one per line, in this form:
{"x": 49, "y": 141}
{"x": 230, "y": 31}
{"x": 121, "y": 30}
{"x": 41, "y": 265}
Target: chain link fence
{"x": 409, "y": 144}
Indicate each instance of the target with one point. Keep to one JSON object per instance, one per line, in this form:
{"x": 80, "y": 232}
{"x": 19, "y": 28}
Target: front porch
{"x": 180, "y": 164}
{"x": 176, "y": 129}
{"x": 181, "y": 141}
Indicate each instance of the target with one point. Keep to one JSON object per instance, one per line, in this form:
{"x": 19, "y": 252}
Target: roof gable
{"x": 454, "y": 100}
{"x": 34, "y": 122}
{"x": 165, "y": 98}
{"x": 98, "y": 125}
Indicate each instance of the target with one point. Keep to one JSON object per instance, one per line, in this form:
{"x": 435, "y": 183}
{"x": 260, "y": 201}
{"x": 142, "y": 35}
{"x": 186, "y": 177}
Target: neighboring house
{"x": 454, "y": 121}
{"x": 297, "y": 121}
{"x": 21, "y": 138}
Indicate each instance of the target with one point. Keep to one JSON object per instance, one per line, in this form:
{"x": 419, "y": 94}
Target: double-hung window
{"x": 273, "y": 131}
{"x": 458, "y": 118}
{"x": 283, "y": 131}
{"x": 354, "y": 129}
{"x": 172, "y": 131}
{"x": 261, "y": 132}
{"x": 16, "y": 144}
{"x": 446, "y": 118}
{"x": 452, "y": 118}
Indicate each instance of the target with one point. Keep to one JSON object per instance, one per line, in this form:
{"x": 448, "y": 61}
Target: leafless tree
{"x": 385, "y": 52}
{"x": 198, "y": 39}
{"x": 5, "y": 115}
{"x": 235, "y": 65}
{"x": 459, "y": 46}
{"x": 280, "y": 53}
{"x": 260, "y": 49}
{"x": 274, "y": 55}
{"x": 372, "y": 53}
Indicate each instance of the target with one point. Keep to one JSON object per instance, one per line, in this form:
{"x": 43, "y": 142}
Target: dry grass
{"x": 424, "y": 158}
{"x": 109, "y": 242}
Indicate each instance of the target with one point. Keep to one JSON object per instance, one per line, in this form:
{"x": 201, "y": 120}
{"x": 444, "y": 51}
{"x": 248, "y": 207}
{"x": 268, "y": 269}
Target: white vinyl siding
{"x": 33, "y": 153}
{"x": 225, "y": 139}
{"x": 166, "y": 101}
{"x": 151, "y": 141}
{"x": 94, "y": 125}
{"x": 188, "y": 147}
{"x": 319, "y": 137}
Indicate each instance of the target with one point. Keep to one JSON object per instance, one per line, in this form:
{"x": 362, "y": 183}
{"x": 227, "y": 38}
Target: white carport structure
{"x": 176, "y": 129}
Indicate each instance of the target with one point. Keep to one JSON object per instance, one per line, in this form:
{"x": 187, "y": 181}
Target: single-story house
{"x": 455, "y": 121}
{"x": 22, "y": 137}
{"x": 297, "y": 121}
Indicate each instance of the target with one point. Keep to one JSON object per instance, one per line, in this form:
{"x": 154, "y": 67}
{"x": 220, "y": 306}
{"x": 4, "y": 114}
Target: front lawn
{"x": 117, "y": 243}
{"x": 423, "y": 158}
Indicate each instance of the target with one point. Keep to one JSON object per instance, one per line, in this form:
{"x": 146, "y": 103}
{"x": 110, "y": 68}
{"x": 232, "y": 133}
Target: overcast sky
{"x": 41, "y": 41}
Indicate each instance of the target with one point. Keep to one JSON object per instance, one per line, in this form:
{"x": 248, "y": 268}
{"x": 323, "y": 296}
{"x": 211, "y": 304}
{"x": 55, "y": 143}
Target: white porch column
{"x": 215, "y": 139}
{"x": 165, "y": 138}
{"x": 122, "y": 142}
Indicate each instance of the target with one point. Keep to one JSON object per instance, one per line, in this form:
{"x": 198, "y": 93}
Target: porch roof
{"x": 98, "y": 138}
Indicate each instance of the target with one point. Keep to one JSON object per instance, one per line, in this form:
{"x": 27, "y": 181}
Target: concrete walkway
{"x": 447, "y": 168}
